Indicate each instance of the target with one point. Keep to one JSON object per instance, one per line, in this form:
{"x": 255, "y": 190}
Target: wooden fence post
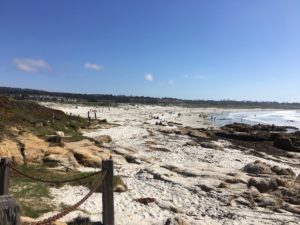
{"x": 108, "y": 193}
{"x": 53, "y": 118}
{"x": 89, "y": 118}
{"x": 4, "y": 176}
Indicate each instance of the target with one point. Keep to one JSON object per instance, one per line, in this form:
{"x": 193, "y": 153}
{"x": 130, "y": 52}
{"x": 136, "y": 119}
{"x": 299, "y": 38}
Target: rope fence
{"x": 53, "y": 181}
{"x": 105, "y": 182}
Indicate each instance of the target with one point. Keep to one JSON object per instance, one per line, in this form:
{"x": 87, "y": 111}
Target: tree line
{"x": 108, "y": 99}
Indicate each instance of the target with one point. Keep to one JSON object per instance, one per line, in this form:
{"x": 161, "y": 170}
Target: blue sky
{"x": 192, "y": 49}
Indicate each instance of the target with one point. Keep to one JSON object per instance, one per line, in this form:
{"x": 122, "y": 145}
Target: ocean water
{"x": 276, "y": 117}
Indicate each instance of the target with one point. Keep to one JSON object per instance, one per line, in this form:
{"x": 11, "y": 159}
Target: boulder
{"x": 103, "y": 139}
{"x": 257, "y": 167}
{"x": 286, "y": 144}
{"x": 266, "y": 201}
{"x": 176, "y": 221}
{"x": 283, "y": 171}
{"x": 87, "y": 153}
{"x": 263, "y": 184}
{"x": 290, "y": 195}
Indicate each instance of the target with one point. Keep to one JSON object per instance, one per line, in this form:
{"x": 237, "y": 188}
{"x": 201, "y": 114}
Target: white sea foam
{"x": 277, "y": 117}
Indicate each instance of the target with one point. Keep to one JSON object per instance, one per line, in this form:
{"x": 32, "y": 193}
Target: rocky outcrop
{"x": 241, "y": 127}
{"x": 286, "y": 144}
{"x": 259, "y": 167}
{"x": 238, "y": 127}
{"x": 243, "y": 136}
{"x": 87, "y": 154}
{"x": 31, "y": 149}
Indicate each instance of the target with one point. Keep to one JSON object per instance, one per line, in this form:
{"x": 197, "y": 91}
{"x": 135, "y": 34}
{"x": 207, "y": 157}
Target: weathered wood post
{"x": 89, "y": 118}
{"x": 4, "y": 176}
{"x": 108, "y": 193}
{"x": 10, "y": 211}
{"x": 53, "y": 118}
{"x": 95, "y": 114}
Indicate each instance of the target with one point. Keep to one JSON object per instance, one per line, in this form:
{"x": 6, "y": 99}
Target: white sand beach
{"x": 183, "y": 179}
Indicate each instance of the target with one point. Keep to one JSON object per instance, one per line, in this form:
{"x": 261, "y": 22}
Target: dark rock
{"x": 80, "y": 221}
{"x": 242, "y": 136}
{"x": 269, "y": 202}
{"x": 257, "y": 167}
{"x": 283, "y": 171}
{"x": 132, "y": 159}
{"x": 238, "y": 127}
{"x": 223, "y": 185}
{"x": 211, "y": 146}
{"x": 206, "y": 188}
{"x": 263, "y": 184}
{"x": 286, "y": 144}
{"x": 176, "y": 221}
{"x": 145, "y": 201}
{"x": 197, "y": 134}
{"x": 54, "y": 139}
{"x": 290, "y": 195}
{"x": 160, "y": 149}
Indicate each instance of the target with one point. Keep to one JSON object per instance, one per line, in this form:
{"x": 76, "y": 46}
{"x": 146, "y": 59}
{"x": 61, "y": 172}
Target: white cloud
{"x": 31, "y": 65}
{"x": 149, "y": 77}
{"x": 200, "y": 77}
{"x": 171, "y": 82}
{"x": 93, "y": 66}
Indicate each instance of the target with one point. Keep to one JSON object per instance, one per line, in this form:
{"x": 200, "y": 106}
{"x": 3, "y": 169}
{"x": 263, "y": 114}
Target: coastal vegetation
{"x": 29, "y": 116}
{"x": 114, "y": 100}
{"x": 28, "y": 133}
